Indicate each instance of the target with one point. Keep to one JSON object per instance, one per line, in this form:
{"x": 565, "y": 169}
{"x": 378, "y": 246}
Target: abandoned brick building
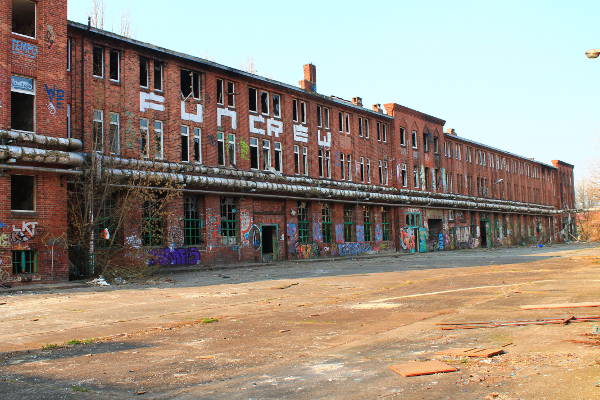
{"x": 269, "y": 171}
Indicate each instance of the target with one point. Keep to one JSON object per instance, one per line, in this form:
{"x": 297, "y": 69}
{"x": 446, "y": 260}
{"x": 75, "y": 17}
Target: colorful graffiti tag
{"x": 353, "y": 248}
{"x": 407, "y": 239}
{"x": 179, "y": 256}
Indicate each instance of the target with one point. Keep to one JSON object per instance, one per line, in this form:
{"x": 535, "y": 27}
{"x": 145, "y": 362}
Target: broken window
{"x": 326, "y": 223}
{"x": 254, "y": 154}
{"x": 185, "y": 140}
{"x": 278, "y": 157}
{"x": 426, "y": 142}
{"x": 368, "y": 170}
{"x": 264, "y": 103}
{"x": 343, "y": 167}
{"x": 366, "y": 128}
{"x": 347, "y": 123}
{"x": 349, "y": 161}
{"x": 197, "y": 144}
{"x": 436, "y": 144}
{"x": 23, "y": 17}
{"x": 158, "y": 139}
{"x": 144, "y": 78}
{"x": 362, "y": 169}
{"x": 22, "y": 193}
{"x": 115, "y": 65}
{"x": 230, "y": 94}
{"x": 328, "y": 164}
{"x": 385, "y": 130}
{"x": 252, "y": 105}
{"x": 220, "y": 96}
{"x": 360, "y": 127}
{"x": 340, "y": 122}
{"x": 416, "y": 177}
{"x": 114, "y": 132}
{"x": 404, "y": 176}
{"x": 192, "y": 221}
{"x": 378, "y": 131}
{"x": 380, "y": 172}
{"x": 229, "y": 219}
{"x": 98, "y": 62}
{"x": 158, "y": 76}
{"x": 385, "y": 223}
{"x": 276, "y": 106}
{"x": 144, "y": 137}
{"x": 296, "y": 159}
{"x": 295, "y": 110}
{"x": 320, "y": 158}
{"x": 231, "y": 149}
{"x": 266, "y": 153}
{"x": 190, "y": 84}
{"x": 24, "y": 262}
{"x": 98, "y": 130}
{"x": 22, "y": 100}
{"x": 220, "y": 149}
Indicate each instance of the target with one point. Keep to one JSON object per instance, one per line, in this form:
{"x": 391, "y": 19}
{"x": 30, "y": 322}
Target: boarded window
{"x": 23, "y": 17}
{"x": 22, "y": 192}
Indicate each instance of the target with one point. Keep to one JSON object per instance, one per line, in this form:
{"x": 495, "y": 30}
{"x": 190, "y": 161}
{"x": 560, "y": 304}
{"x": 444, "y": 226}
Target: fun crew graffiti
{"x": 245, "y": 226}
{"x": 25, "y": 233}
{"x": 151, "y": 101}
{"x": 273, "y": 126}
{"x": 175, "y": 256}
{"x": 56, "y": 97}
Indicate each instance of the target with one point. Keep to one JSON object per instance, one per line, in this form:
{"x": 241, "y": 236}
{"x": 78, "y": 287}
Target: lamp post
{"x": 593, "y": 53}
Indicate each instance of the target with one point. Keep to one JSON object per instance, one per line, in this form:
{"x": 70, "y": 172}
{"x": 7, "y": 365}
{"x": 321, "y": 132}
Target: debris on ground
{"x": 99, "y": 281}
{"x": 288, "y": 286}
{"x": 119, "y": 281}
{"x": 559, "y": 305}
{"x": 416, "y": 368}
{"x": 494, "y": 324}
{"x": 471, "y": 352}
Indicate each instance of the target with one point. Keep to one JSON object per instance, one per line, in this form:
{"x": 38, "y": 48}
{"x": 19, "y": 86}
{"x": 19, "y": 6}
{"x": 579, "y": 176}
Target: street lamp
{"x": 594, "y": 53}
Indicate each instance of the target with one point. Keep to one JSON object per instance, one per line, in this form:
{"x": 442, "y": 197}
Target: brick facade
{"x": 341, "y": 179}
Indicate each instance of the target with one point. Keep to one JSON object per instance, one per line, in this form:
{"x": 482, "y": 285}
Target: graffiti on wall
{"x": 407, "y": 239}
{"x": 339, "y": 233}
{"x": 133, "y": 241}
{"x": 353, "y": 249}
{"x": 316, "y": 228}
{"x": 360, "y": 233}
{"x": 24, "y": 49}
{"x": 4, "y": 240}
{"x": 175, "y": 235}
{"x": 441, "y": 242}
{"x": 25, "y": 233}
{"x": 378, "y": 233}
{"x": 178, "y": 256}
{"x": 56, "y": 97}
{"x": 151, "y": 101}
{"x": 212, "y": 226}
{"x": 50, "y": 35}
{"x": 245, "y": 225}
{"x": 305, "y": 251}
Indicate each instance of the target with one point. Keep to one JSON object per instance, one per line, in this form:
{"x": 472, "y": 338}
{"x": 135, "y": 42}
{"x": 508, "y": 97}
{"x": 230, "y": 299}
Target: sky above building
{"x": 510, "y": 74}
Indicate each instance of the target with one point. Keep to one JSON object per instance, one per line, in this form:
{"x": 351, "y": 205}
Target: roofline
{"x": 566, "y": 164}
{"x": 499, "y": 150}
{"x": 212, "y": 64}
{"x": 427, "y": 117}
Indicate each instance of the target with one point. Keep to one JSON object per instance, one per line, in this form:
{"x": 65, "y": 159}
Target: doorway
{"x": 268, "y": 240}
{"x": 483, "y": 231}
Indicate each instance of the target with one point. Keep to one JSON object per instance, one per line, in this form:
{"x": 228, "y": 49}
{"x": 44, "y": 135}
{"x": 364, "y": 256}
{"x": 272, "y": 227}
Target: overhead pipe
{"x": 41, "y": 169}
{"x": 29, "y": 154}
{"x": 42, "y": 140}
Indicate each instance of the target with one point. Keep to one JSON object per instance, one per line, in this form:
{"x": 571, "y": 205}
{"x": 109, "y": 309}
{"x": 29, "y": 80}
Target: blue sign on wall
{"x": 24, "y": 48}
{"x": 21, "y": 83}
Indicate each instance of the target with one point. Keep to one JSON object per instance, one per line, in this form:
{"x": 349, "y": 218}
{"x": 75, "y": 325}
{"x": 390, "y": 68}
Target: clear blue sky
{"x": 510, "y": 74}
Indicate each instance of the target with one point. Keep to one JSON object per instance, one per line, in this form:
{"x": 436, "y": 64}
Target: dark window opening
{"x": 98, "y": 62}
{"x": 197, "y": 153}
{"x": 190, "y": 84}
{"x": 252, "y": 99}
{"x": 22, "y": 192}
{"x": 264, "y": 103}
{"x": 115, "y": 66}
{"x": 228, "y": 218}
{"x": 230, "y": 94}
{"x": 295, "y": 110}
{"x": 220, "y": 98}
{"x": 254, "y": 153}
{"x": 22, "y": 111}
{"x": 144, "y": 72}
{"x": 385, "y": 224}
{"x": 23, "y": 17}
{"x": 158, "y": 76}
{"x": 276, "y": 105}
{"x": 24, "y": 262}
{"x": 185, "y": 140}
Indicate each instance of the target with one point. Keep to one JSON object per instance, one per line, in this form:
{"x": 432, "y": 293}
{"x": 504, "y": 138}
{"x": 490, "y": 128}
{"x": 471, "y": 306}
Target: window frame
{"x": 160, "y": 65}
{"x": 110, "y": 55}
{"x": 184, "y": 131}
{"x": 33, "y": 193}
{"x": 159, "y": 133}
{"x": 102, "y": 66}
{"x": 35, "y": 21}
{"x": 111, "y": 123}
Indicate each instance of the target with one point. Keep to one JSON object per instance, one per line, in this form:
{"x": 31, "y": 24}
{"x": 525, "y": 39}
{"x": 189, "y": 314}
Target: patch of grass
{"x": 208, "y": 320}
{"x": 77, "y": 388}
{"x": 75, "y": 342}
{"x": 51, "y": 346}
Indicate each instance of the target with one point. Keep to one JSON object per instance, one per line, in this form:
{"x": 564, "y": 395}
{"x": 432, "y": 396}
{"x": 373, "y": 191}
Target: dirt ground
{"x": 313, "y": 330}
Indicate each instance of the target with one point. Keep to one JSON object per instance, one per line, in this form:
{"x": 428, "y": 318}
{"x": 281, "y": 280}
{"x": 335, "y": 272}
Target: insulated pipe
{"x": 202, "y": 169}
{"x": 30, "y": 154}
{"x": 253, "y": 186}
{"x": 43, "y": 140}
{"x": 40, "y": 169}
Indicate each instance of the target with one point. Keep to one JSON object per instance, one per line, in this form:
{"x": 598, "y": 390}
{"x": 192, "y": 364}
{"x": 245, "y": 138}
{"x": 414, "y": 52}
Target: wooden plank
{"x": 559, "y": 305}
{"x": 471, "y": 352}
{"x": 416, "y": 368}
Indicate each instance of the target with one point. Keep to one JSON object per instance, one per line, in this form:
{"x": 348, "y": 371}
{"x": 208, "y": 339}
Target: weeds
{"x": 51, "y": 346}
{"x": 77, "y": 388}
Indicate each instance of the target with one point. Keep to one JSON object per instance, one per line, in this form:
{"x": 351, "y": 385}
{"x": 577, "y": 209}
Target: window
{"x": 220, "y": 148}
{"x": 114, "y": 132}
{"x": 158, "y": 76}
{"x": 190, "y": 84}
{"x": 416, "y": 177}
{"x": 295, "y": 110}
{"x": 436, "y": 144}
{"x": 266, "y": 152}
{"x": 347, "y": 118}
{"x": 427, "y": 183}
{"x": 380, "y": 172}
{"x": 22, "y": 193}
{"x": 349, "y": 161}
{"x": 379, "y": 133}
{"x": 402, "y": 137}
{"x": 326, "y": 117}
{"x": 343, "y": 166}
{"x": 185, "y": 140}
{"x": 385, "y": 132}
{"x": 145, "y": 137}
{"x": 115, "y": 65}
{"x": 152, "y": 224}
{"x": 230, "y": 94}
{"x": 303, "y": 223}
{"x": 98, "y": 62}
{"x": 327, "y": 164}
{"x": 98, "y": 130}
{"x": 231, "y": 148}
{"x": 319, "y": 116}
{"x": 22, "y": 100}
{"x": 220, "y": 94}
{"x": 326, "y": 223}
{"x": 192, "y": 222}
{"x": 264, "y": 103}
{"x": 197, "y": 144}
{"x": 278, "y": 157}
{"x": 69, "y": 53}
{"x": 367, "y": 130}
{"x": 321, "y": 167}
{"x": 277, "y": 106}
{"x": 426, "y": 142}
{"x": 228, "y": 219}
{"x": 362, "y": 169}
{"x": 69, "y": 133}
{"x": 252, "y": 101}
{"x": 158, "y": 139}
{"x": 254, "y": 153}
{"x": 385, "y": 173}
{"x": 24, "y": 262}
{"x": 144, "y": 77}
{"x": 296, "y": 159}
{"x": 348, "y": 224}
{"x": 305, "y": 160}
{"x": 415, "y": 144}
{"x": 340, "y": 121}
{"x": 403, "y": 175}
{"x": 23, "y": 17}
{"x": 360, "y": 127}
{"x": 385, "y": 223}
{"x": 367, "y": 224}
{"x": 302, "y": 112}
{"x": 368, "y": 171}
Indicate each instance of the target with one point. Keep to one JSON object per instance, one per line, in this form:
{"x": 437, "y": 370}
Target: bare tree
{"x": 588, "y": 200}
{"x": 126, "y": 24}
{"x": 97, "y": 14}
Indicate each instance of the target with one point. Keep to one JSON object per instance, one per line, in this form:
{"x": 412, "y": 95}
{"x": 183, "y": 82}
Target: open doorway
{"x": 483, "y": 232}
{"x": 435, "y": 228}
{"x": 269, "y": 238}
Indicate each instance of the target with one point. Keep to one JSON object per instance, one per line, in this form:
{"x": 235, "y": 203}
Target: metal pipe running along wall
{"x": 295, "y": 180}
{"x": 43, "y": 140}
{"x": 30, "y": 154}
{"x": 321, "y": 192}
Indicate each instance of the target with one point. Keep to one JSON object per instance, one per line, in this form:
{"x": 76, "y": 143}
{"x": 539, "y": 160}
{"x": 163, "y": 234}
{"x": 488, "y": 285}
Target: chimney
{"x": 377, "y": 108}
{"x": 357, "y": 101}
{"x": 309, "y": 82}
{"x": 451, "y": 131}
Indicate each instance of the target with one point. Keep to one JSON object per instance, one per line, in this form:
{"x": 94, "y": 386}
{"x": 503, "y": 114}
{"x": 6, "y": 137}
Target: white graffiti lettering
{"x": 186, "y": 116}
{"x": 253, "y": 119}
{"x": 300, "y": 133}
{"x": 225, "y": 112}
{"x": 325, "y": 141}
{"x": 151, "y": 101}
